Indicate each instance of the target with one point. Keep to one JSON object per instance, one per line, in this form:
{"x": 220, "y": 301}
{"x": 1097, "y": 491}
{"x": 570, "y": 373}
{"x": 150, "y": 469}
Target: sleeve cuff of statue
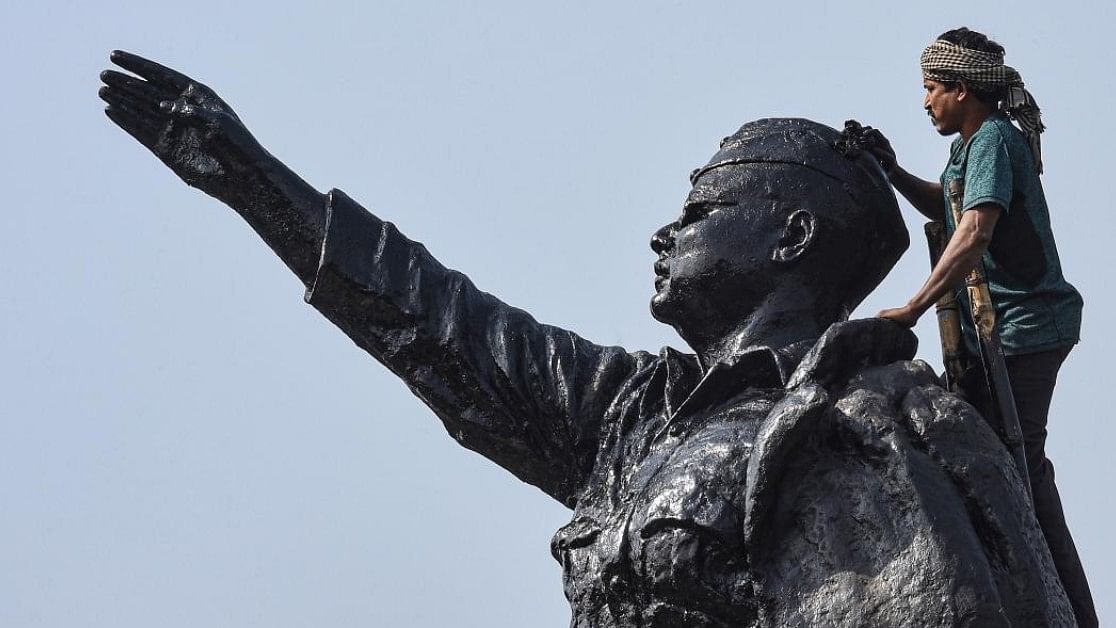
{"x": 349, "y": 229}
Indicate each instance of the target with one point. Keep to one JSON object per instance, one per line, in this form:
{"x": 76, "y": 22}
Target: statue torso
{"x": 657, "y": 536}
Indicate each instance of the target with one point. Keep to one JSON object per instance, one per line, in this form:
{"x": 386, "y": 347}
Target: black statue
{"x": 800, "y": 470}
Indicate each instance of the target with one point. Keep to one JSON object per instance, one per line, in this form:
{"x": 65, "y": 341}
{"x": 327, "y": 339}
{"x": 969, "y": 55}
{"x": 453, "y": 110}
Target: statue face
{"x": 716, "y": 259}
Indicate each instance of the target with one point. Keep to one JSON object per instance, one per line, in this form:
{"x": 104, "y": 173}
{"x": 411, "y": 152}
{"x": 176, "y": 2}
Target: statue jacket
{"x": 831, "y": 482}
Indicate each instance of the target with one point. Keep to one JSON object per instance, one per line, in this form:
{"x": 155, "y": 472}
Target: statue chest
{"x": 656, "y": 538}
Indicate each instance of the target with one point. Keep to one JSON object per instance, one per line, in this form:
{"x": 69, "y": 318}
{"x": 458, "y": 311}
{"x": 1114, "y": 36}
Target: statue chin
{"x": 665, "y": 308}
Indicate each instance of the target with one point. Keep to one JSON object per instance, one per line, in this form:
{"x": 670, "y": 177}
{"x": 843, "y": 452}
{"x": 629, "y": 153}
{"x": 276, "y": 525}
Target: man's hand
{"x": 925, "y": 196}
{"x": 906, "y": 316}
{"x": 961, "y": 255}
{"x": 186, "y": 125}
{"x": 880, "y": 148}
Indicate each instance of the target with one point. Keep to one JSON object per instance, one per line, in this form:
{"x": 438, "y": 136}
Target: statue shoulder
{"x": 891, "y": 482}
{"x": 848, "y": 347}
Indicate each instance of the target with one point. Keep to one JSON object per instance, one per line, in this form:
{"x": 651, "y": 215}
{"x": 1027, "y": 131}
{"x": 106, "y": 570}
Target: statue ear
{"x": 798, "y": 235}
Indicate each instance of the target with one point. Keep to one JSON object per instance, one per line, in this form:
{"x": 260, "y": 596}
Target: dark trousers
{"x": 1033, "y": 376}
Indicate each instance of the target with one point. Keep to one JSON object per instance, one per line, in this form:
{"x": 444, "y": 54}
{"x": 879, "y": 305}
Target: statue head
{"x": 779, "y": 220}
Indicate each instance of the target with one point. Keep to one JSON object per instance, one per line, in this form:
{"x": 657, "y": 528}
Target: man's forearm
{"x": 961, "y": 255}
{"x": 925, "y": 196}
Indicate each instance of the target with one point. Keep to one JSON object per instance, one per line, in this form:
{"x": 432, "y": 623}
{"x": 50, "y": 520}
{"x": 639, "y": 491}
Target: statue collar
{"x": 844, "y": 348}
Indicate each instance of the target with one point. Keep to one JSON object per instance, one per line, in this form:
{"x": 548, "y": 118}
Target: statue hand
{"x": 186, "y": 125}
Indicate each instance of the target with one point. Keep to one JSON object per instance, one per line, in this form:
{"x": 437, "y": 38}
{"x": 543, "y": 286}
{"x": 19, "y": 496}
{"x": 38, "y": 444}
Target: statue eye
{"x": 697, "y": 210}
{"x": 693, "y": 212}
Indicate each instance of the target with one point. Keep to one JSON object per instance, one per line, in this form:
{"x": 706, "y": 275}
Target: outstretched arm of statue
{"x": 528, "y": 396}
{"x": 200, "y": 138}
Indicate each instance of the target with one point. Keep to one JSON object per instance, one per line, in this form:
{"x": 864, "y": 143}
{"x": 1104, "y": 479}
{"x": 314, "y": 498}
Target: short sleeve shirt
{"x": 1036, "y": 308}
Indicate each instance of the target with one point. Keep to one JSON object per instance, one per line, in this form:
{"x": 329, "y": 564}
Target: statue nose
{"x": 663, "y": 239}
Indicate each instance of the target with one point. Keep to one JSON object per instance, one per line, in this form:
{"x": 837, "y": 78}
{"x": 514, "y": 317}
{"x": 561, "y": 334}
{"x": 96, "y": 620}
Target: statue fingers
{"x": 139, "y": 89}
{"x": 137, "y": 105}
{"x": 142, "y": 127}
{"x": 158, "y": 74}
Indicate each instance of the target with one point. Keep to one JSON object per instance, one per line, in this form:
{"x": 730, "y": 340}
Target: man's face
{"x": 716, "y": 258}
{"x": 943, "y": 105}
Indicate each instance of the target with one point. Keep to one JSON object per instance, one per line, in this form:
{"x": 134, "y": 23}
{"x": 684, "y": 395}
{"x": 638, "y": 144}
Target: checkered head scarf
{"x": 947, "y": 62}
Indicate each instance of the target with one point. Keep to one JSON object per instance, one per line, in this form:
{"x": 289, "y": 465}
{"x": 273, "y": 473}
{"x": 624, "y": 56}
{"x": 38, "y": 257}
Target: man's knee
{"x": 1034, "y": 448}
{"x": 1040, "y": 469}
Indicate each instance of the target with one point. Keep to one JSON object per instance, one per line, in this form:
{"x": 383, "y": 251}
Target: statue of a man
{"x": 798, "y": 470}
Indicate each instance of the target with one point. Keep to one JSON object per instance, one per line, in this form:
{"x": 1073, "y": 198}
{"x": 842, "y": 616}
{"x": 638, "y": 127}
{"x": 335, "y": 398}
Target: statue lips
{"x": 662, "y": 272}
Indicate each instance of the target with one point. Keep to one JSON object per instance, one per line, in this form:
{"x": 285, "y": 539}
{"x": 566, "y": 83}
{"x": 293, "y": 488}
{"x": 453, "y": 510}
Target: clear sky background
{"x": 184, "y": 442}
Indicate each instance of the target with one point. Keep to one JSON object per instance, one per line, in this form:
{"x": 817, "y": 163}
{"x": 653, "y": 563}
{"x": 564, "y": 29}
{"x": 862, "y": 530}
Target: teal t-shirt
{"x": 1036, "y": 308}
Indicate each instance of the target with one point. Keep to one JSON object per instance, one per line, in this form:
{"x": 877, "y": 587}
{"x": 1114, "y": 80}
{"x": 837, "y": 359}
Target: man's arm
{"x": 528, "y": 396}
{"x": 964, "y": 250}
{"x": 925, "y": 196}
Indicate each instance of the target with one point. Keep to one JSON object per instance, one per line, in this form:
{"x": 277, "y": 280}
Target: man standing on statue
{"x": 1006, "y": 224}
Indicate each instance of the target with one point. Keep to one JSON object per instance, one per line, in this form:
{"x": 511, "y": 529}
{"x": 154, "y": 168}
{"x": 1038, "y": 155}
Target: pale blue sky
{"x": 183, "y": 442}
